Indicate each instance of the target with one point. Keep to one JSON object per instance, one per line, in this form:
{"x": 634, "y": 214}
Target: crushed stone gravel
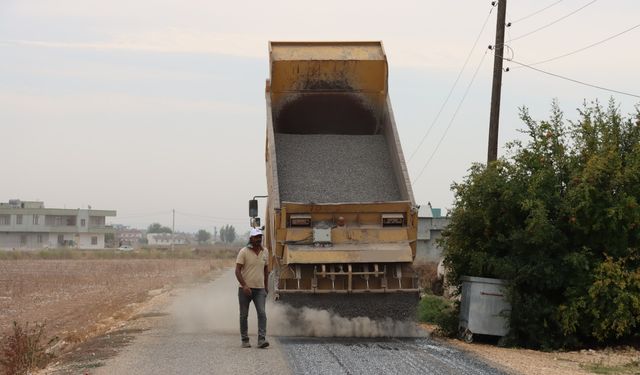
{"x": 330, "y": 168}
{"x": 378, "y": 356}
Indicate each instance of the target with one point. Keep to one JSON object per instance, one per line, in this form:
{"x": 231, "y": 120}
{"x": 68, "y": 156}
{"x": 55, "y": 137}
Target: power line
{"x": 575, "y": 80}
{"x": 452, "y": 118}
{"x": 208, "y": 217}
{"x": 536, "y": 12}
{"x": 554, "y": 22}
{"x": 141, "y": 215}
{"x": 584, "y": 48}
{"x": 454, "y": 85}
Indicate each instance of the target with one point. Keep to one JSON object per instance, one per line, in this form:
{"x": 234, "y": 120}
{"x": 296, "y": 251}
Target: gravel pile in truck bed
{"x": 329, "y": 168}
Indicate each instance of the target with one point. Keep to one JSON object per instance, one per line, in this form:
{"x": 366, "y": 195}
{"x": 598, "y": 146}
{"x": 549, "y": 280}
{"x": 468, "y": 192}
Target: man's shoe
{"x": 263, "y": 343}
{"x": 246, "y": 344}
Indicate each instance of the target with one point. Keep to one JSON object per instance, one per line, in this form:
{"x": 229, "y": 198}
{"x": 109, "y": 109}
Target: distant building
{"x": 29, "y": 225}
{"x": 128, "y": 236}
{"x": 430, "y": 225}
{"x": 164, "y": 239}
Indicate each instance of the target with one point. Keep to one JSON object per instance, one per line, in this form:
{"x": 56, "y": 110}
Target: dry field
{"x": 82, "y": 298}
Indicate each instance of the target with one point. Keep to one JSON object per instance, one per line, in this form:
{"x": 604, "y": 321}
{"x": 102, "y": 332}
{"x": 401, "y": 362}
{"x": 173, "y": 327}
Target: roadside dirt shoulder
{"x": 619, "y": 360}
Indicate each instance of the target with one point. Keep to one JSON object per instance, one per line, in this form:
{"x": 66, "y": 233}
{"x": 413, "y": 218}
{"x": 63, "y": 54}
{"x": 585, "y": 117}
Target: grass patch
{"x": 599, "y": 368}
{"x": 439, "y": 311}
{"x": 24, "y": 350}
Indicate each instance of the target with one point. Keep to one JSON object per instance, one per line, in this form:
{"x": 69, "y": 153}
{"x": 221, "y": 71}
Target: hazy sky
{"x": 147, "y": 105}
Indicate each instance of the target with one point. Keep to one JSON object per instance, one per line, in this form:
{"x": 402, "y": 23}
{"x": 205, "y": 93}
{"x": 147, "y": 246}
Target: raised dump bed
{"x": 341, "y": 218}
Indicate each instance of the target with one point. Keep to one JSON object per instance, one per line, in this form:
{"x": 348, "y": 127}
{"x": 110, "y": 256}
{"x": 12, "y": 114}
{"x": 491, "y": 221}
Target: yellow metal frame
{"x": 360, "y": 68}
{"x": 327, "y": 66}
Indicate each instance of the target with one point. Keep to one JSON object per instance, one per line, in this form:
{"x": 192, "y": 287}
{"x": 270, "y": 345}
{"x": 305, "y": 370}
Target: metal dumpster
{"x": 484, "y": 308}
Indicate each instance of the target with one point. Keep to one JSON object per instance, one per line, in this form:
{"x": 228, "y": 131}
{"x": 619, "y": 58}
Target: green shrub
{"x": 559, "y": 217}
{"x": 439, "y": 311}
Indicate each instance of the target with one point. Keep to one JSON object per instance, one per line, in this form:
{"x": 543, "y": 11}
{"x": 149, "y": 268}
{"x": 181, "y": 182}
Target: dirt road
{"x": 197, "y": 334}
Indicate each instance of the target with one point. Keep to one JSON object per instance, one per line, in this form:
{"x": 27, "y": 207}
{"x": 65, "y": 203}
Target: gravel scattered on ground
{"x": 581, "y": 362}
{"x": 378, "y": 356}
{"x": 612, "y": 360}
{"x": 330, "y": 168}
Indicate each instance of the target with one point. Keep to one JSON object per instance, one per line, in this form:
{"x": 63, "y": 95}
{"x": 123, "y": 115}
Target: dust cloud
{"x": 213, "y": 307}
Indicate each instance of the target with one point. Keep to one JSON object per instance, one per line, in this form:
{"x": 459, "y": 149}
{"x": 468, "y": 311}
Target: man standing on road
{"x": 252, "y": 274}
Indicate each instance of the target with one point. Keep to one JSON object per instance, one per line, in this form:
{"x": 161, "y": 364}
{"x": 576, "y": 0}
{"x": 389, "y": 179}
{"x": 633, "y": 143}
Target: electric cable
{"x": 452, "y": 118}
{"x": 140, "y": 215}
{"x": 553, "y": 22}
{"x": 455, "y": 83}
{"x": 573, "y": 80}
{"x": 209, "y": 217}
{"x": 536, "y": 12}
{"x": 583, "y": 48}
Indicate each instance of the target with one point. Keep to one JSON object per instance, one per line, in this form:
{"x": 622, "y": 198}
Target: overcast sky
{"x": 144, "y": 106}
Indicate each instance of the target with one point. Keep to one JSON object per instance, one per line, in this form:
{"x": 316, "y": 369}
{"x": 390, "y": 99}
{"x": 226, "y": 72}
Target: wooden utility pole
{"x": 173, "y": 228}
{"x": 496, "y": 89}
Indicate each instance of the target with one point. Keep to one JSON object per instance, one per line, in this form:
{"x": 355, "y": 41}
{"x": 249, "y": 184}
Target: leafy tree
{"x": 559, "y": 218}
{"x": 203, "y": 236}
{"x": 157, "y": 228}
{"x": 228, "y": 233}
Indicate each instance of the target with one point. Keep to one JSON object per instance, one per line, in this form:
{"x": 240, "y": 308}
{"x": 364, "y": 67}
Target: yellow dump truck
{"x": 341, "y": 220}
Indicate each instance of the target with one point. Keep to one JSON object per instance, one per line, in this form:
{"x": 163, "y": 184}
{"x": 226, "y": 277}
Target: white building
{"x": 129, "y": 236}
{"x": 430, "y": 224}
{"x": 164, "y": 239}
{"x": 29, "y": 225}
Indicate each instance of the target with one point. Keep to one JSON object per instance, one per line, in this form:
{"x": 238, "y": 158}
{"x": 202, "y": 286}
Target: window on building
{"x": 36, "y": 219}
{"x": 60, "y": 239}
{"x": 94, "y": 240}
{"x": 19, "y": 219}
{"x": 39, "y": 237}
{"x": 23, "y": 240}
{"x": 83, "y": 222}
{"x": 96, "y": 220}
{"x": 5, "y": 219}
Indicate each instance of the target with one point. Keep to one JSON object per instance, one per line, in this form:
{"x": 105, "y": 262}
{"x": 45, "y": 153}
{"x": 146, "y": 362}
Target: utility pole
{"x": 498, "y": 50}
{"x": 173, "y": 227}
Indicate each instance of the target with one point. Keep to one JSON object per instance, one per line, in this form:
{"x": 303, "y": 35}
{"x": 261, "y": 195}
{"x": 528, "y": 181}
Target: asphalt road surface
{"x": 199, "y": 336}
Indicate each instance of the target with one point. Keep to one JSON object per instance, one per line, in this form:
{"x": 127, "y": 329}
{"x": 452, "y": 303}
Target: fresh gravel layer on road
{"x": 378, "y": 356}
{"x": 397, "y": 306}
{"x": 330, "y": 168}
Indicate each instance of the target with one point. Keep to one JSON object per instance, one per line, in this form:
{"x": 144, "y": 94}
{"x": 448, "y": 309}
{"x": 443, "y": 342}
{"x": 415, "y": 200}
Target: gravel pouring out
{"x": 214, "y": 307}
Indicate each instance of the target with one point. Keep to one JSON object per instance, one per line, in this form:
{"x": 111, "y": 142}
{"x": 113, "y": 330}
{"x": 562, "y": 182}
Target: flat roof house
{"x": 430, "y": 225}
{"x": 29, "y": 225}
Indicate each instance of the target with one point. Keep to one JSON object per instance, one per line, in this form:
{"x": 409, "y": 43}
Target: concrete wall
{"x": 428, "y": 250}
{"x": 34, "y": 241}
{"x": 9, "y": 241}
{"x": 84, "y": 241}
{"x": 429, "y": 231}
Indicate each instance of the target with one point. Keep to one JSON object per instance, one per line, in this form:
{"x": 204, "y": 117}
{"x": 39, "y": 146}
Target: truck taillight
{"x": 300, "y": 220}
{"x": 392, "y": 220}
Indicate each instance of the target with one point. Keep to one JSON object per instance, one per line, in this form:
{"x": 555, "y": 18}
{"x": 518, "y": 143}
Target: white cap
{"x": 255, "y": 232}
